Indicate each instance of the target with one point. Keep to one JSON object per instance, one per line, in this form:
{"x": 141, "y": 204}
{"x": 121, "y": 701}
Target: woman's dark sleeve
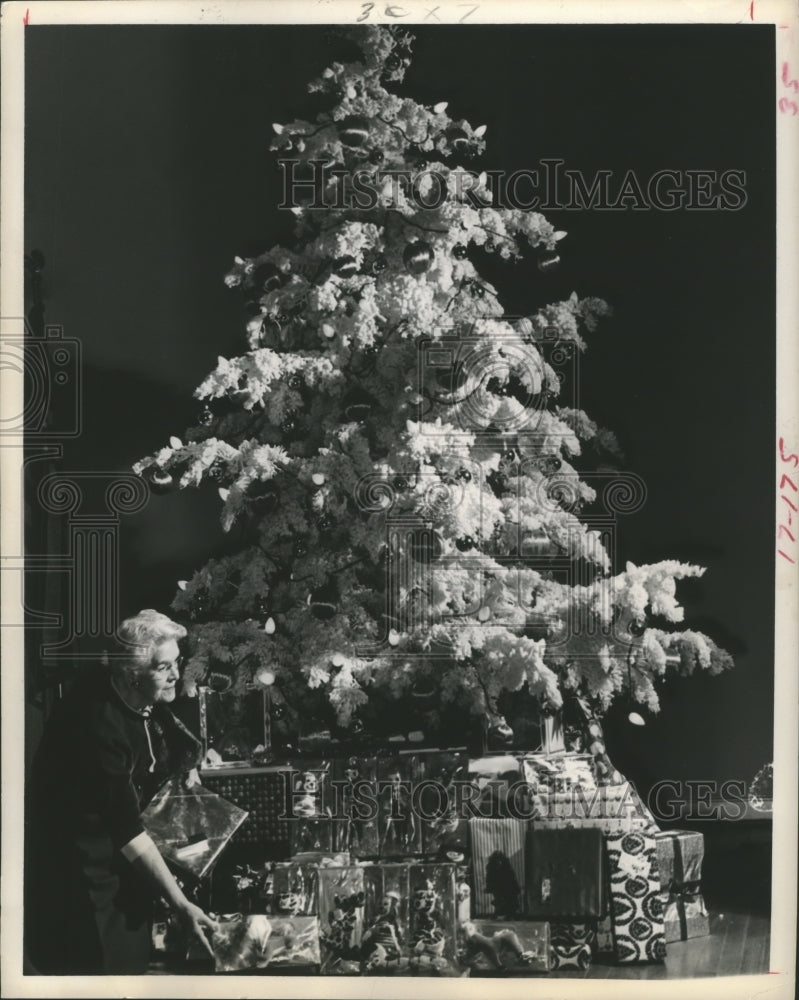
{"x": 116, "y": 798}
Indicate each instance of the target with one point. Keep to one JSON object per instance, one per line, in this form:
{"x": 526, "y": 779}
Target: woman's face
{"x": 158, "y": 682}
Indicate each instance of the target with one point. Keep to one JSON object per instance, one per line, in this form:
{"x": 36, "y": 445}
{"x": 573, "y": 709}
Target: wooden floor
{"x": 738, "y": 945}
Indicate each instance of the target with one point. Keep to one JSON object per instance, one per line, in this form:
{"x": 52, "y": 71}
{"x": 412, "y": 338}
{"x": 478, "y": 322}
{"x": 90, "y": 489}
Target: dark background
{"x": 147, "y": 170}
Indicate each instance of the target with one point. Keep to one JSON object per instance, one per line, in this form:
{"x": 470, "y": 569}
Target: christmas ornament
{"x": 377, "y": 156}
{"x": 324, "y": 602}
{"x": 465, "y": 475}
{"x": 328, "y": 331}
{"x": 296, "y": 381}
{"x": 465, "y": 544}
{"x": 441, "y": 107}
{"x": 484, "y": 613}
{"x": 326, "y": 523}
{"x": 289, "y": 425}
{"x": 318, "y": 479}
{"x": 393, "y": 63}
{"x": 345, "y": 267}
{"x": 400, "y": 484}
{"x": 264, "y": 677}
{"x": 175, "y": 443}
{"x": 636, "y": 628}
{"x": 160, "y": 481}
{"x": 425, "y": 545}
{"x": 358, "y": 404}
{"x": 635, "y": 719}
{"x": 269, "y": 626}
{"x": 548, "y": 262}
{"x": 379, "y": 264}
{"x": 549, "y": 465}
{"x": 418, "y": 256}
{"x": 476, "y": 290}
{"x": 490, "y": 246}
{"x": 457, "y": 138}
{"x": 206, "y": 416}
{"x": 353, "y": 131}
{"x": 459, "y": 251}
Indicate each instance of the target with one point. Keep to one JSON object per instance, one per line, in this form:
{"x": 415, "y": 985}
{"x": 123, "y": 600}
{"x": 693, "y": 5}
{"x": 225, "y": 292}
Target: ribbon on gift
{"x": 686, "y": 896}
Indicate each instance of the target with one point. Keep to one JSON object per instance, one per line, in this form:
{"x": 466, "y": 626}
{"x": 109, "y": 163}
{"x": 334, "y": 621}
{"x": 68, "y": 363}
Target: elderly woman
{"x": 91, "y": 869}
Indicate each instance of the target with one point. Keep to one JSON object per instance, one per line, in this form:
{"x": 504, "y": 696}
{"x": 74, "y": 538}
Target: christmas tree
{"x": 397, "y": 458}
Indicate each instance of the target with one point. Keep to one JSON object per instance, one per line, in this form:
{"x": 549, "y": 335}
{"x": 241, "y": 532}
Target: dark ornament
{"x": 345, "y": 267}
{"x": 459, "y": 251}
{"x": 159, "y": 480}
{"x": 393, "y": 63}
{"x": 490, "y": 246}
{"x": 353, "y": 130}
{"x": 418, "y": 256}
{"x": 465, "y": 544}
{"x": 636, "y": 628}
{"x": 400, "y": 484}
{"x": 465, "y": 475}
{"x": 358, "y": 404}
{"x": 379, "y": 264}
{"x": 326, "y": 523}
{"x": 289, "y": 425}
{"x": 476, "y": 290}
{"x": 550, "y": 464}
{"x": 206, "y": 416}
{"x": 457, "y": 138}
{"x": 296, "y": 381}
{"x": 548, "y": 262}
{"x": 273, "y": 282}
{"x": 425, "y": 545}
{"x": 324, "y": 602}
{"x": 377, "y": 156}
{"x": 262, "y": 609}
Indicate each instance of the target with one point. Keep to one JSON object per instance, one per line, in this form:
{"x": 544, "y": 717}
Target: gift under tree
{"x": 397, "y": 459}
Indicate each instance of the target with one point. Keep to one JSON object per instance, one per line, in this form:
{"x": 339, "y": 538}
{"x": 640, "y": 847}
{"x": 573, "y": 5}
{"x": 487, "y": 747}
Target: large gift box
{"x": 258, "y": 941}
{"x": 341, "y": 916}
{"x": 613, "y": 809}
{"x": 515, "y": 947}
{"x": 355, "y": 823}
{"x": 385, "y": 928}
{"x": 636, "y": 903}
{"x": 558, "y": 772}
{"x": 498, "y": 866}
{"x": 436, "y": 774}
{"x": 565, "y": 873}
{"x": 680, "y": 856}
{"x": 500, "y": 790}
{"x": 291, "y": 890}
{"x": 234, "y": 725}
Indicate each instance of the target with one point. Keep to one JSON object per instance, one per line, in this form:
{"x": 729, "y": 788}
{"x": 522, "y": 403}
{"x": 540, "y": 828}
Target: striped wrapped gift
{"x": 498, "y": 847}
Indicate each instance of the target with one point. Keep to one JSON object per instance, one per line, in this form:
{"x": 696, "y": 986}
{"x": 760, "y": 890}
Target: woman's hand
{"x": 196, "y": 923}
{"x": 192, "y": 778}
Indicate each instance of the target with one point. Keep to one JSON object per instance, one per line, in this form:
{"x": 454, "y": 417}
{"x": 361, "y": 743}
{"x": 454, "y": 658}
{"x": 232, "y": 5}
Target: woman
{"x": 91, "y": 869}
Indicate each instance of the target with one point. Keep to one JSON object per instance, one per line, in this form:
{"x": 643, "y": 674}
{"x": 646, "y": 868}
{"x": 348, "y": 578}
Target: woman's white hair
{"x": 137, "y": 638}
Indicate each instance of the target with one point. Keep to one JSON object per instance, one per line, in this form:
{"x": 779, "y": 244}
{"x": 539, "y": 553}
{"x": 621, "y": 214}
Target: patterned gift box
{"x": 636, "y": 904}
{"x": 572, "y": 945}
{"x": 435, "y": 774}
{"x": 399, "y": 830}
{"x": 680, "y": 856}
{"x": 355, "y": 792}
{"x": 518, "y": 947}
{"x": 341, "y": 916}
{"x": 565, "y": 873}
{"x": 498, "y": 866}
{"x": 685, "y": 914}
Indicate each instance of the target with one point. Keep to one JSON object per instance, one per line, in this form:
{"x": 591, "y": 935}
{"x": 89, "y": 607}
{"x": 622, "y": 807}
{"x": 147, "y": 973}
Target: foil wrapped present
{"x": 355, "y": 786}
{"x": 191, "y": 826}
{"x": 291, "y": 890}
{"x": 636, "y": 902}
{"x": 341, "y": 914}
{"x": 565, "y": 874}
{"x": 498, "y": 866}
{"x": 436, "y": 773}
{"x": 399, "y": 828}
{"x": 513, "y": 947}
{"x": 257, "y": 941}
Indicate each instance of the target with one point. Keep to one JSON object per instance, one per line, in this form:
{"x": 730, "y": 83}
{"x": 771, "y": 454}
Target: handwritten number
{"x": 432, "y": 13}
{"x": 786, "y": 106}
{"x": 393, "y": 11}
{"x": 783, "y": 528}
{"x": 791, "y": 561}
{"x": 790, "y": 84}
{"x": 368, "y": 7}
{"x": 471, "y": 11}
{"x": 788, "y": 458}
{"x": 787, "y": 479}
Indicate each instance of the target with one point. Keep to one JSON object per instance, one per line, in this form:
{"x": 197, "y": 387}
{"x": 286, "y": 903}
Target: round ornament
{"x": 379, "y": 264}
{"x": 459, "y": 251}
{"x": 358, "y": 404}
{"x": 160, "y": 481}
{"x": 346, "y": 266}
{"x": 353, "y": 131}
{"x": 206, "y": 416}
{"x": 324, "y": 602}
{"x": 418, "y": 256}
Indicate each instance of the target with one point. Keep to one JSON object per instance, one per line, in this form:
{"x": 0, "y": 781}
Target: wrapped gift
{"x": 685, "y": 915}
{"x": 436, "y": 775}
{"x": 500, "y": 790}
{"x": 385, "y": 930}
{"x": 234, "y": 725}
{"x": 498, "y": 866}
{"x": 310, "y": 791}
{"x": 612, "y": 809}
{"x": 191, "y": 826}
{"x": 680, "y": 855}
{"x": 355, "y": 824}
{"x": 566, "y": 874}
{"x": 341, "y": 912}
{"x": 559, "y": 772}
{"x": 291, "y": 890}
{"x": 264, "y": 793}
{"x": 603, "y": 944}
{"x": 572, "y": 945}
{"x": 257, "y": 941}
{"x": 313, "y": 835}
{"x": 636, "y": 903}
{"x": 432, "y": 945}
{"x": 399, "y": 829}
{"x": 516, "y": 948}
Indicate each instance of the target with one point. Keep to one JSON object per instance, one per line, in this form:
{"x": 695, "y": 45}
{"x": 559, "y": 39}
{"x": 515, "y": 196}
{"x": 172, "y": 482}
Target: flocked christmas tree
{"x": 398, "y": 456}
